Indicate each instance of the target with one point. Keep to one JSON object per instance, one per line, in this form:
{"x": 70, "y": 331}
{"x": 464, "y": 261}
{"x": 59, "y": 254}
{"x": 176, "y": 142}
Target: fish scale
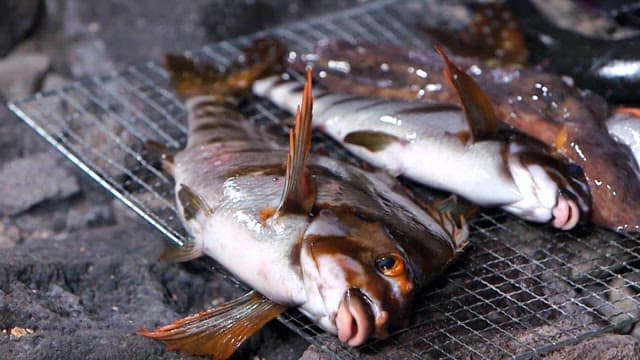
{"x": 347, "y": 247}
{"x": 432, "y": 143}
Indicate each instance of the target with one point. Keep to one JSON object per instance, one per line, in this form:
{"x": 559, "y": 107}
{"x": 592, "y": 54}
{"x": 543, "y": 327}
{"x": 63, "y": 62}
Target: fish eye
{"x": 390, "y": 264}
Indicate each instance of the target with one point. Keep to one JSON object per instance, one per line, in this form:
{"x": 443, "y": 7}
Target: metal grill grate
{"x": 519, "y": 290}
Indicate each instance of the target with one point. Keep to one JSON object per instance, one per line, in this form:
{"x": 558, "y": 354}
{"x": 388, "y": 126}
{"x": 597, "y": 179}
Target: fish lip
{"x": 354, "y": 319}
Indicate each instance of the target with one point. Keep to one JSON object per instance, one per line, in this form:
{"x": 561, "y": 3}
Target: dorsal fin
{"x": 478, "y": 110}
{"x": 299, "y": 193}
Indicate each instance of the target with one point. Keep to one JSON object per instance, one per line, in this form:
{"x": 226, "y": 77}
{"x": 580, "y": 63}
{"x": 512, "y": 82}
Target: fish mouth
{"x": 566, "y": 214}
{"x": 354, "y": 319}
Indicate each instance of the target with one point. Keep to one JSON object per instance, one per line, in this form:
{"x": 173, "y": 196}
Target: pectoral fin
{"x": 219, "y": 331}
{"x": 184, "y": 253}
{"x": 192, "y": 203}
{"x": 166, "y": 153}
{"x": 478, "y": 110}
{"x": 373, "y": 141}
{"x": 299, "y": 193}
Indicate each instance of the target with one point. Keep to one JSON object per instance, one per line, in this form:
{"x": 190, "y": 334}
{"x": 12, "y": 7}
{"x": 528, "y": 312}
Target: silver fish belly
{"x": 345, "y": 246}
{"x": 424, "y": 146}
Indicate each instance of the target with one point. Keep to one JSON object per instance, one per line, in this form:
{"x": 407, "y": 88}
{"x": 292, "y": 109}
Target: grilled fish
{"x": 434, "y": 144}
{"x": 624, "y": 127}
{"x": 544, "y": 106}
{"x": 347, "y": 247}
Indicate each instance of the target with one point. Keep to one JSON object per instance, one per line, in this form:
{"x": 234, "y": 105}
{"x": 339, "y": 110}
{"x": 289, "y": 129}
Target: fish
{"x": 448, "y": 147}
{"x": 347, "y": 247}
{"x": 624, "y": 126}
{"x": 541, "y": 105}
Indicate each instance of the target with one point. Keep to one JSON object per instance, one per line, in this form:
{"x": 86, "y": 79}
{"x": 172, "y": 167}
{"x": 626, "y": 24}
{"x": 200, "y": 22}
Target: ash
{"x": 80, "y": 272}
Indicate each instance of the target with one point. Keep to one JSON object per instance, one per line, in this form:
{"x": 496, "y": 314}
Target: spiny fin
{"x": 493, "y": 35}
{"x": 478, "y": 110}
{"x": 452, "y": 216}
{"x": 183, "y": 253}
{"x": 166, "y": 153}
{"x": 299, "y": 194}
{"x": 458, "y": 208}
{"x": 372, "y": 140}
{"x": 192, "y": 203}
{"x": 189, "y": 77}
{"x": 219, "y": 331}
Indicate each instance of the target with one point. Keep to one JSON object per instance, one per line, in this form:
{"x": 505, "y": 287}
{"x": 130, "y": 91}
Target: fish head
{"x": 358, "y": 279}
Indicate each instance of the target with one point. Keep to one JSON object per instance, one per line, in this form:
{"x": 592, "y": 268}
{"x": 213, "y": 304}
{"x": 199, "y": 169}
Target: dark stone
{"x": 17, "y": 20}
{"x": 88, "y": 215}
{"x": 16, "y": 138}
{"x": 27, "y": 181}
{"x": 10, "y": 235}
{"x": 313, "y": 353}
{"x": 21, "y": 73}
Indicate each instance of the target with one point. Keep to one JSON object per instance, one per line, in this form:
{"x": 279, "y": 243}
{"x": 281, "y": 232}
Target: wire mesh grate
{"x": 520, "y": 290}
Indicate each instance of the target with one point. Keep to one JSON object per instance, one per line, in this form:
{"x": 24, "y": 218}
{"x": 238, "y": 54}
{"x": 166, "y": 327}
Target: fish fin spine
{"x": 452, "y": 216}
{"x": 478, "y": 110}
{"x": 187, "y": 252}
{"x": 299, "y": 193}
{"x": 219, "y": 331}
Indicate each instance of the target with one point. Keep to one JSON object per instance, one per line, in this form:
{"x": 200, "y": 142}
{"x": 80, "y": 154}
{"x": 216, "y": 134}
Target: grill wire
{"x": 518, "y": 291}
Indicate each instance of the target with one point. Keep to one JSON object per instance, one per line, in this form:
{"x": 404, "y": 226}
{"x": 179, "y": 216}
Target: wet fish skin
{"x": 624, "y": 127}
{"x": 351, "y": 262}
{"x": 422, "y": 140}
{"x": 538, "y": 104}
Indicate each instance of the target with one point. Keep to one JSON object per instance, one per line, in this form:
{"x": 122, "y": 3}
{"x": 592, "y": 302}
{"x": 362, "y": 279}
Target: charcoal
{"x": 17, "y": 20}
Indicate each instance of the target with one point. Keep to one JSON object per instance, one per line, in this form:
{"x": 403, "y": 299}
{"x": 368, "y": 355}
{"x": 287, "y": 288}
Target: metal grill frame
{"x": 479, "y": 307}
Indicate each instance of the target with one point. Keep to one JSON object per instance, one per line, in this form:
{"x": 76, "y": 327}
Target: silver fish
{"x": 624, "y": 127}
{"x": 447, "y": 147}
{"x": 347, "y": 247}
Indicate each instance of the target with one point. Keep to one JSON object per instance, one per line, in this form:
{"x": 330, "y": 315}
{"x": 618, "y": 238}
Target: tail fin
{"x": 189, "y": 77}
{"x": 218, "y": 331}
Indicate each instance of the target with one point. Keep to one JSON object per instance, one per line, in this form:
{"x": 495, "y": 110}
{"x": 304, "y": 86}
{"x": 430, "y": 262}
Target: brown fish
{"x": 543, "y": 106}
{"x": 346, "y": 247}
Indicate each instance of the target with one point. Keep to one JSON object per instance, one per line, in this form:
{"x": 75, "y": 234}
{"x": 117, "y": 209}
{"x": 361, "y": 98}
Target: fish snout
{"x": 354, "y": 319}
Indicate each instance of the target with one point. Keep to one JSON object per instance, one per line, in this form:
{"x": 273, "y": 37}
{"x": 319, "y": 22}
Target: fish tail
{"x": 212, "y": 93}
{"x": 190, "y": 77}
{"x": 218, "y": 331}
